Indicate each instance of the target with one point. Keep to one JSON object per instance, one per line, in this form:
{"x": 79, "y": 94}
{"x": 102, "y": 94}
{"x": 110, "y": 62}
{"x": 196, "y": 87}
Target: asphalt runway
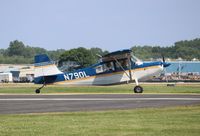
{"x": 14, "y": 104}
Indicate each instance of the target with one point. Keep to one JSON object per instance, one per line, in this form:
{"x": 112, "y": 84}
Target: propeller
{"x": 165, "y": 64}
{"x": 163, "y": 58}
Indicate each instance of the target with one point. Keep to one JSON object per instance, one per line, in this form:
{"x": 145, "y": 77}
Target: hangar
{"x": 20, "y": 73}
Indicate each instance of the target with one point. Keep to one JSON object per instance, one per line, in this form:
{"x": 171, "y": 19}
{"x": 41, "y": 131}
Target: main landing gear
{"x": 137, "y": 88}
{"x": 37, "y": 91}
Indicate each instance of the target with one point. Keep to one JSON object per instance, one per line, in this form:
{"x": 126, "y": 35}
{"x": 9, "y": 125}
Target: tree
{"x": 144, "y": 52}
{"x": 97, "y": 51}
{"x": 185, "y": 49}
{"x": 18, "y": 52}
{"x": 54, "y": 55}
{"x": 16, "y": 48}
{"x": 2, "y": 51}
{"x": 80, "y": 55}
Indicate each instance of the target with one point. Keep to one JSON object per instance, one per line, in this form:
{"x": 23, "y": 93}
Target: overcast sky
{"x": 108, "y": 24}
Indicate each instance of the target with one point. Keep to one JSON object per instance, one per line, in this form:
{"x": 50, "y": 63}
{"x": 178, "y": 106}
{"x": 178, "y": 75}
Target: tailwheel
{"x": 138, "y": 89}
{"x": 37, "y": 91}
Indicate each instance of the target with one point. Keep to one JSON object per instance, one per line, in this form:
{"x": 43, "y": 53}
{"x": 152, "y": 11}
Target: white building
{"x": 6, "y": 77}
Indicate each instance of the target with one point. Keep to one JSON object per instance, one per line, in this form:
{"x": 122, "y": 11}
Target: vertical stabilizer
{"x": 44, "y": 67}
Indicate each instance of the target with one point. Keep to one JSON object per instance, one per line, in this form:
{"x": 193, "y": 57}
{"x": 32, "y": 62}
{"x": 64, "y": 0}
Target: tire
{"x": 138, "y": 89}
{"x": 37, "y": 91}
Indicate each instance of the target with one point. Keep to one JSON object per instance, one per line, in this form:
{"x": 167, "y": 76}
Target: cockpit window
{"x": 122, "y": 64}
{"x": 134, "y": 58}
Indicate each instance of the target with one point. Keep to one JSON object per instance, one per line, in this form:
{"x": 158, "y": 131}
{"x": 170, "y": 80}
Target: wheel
{"x": 138, "y": 89}
{"x": 37, "y": 91}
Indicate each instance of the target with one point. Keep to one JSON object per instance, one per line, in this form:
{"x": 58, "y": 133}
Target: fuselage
{"x": 114, "y": 68}
{"x": 90, "y": 76}
{"x": 98, "y": 74}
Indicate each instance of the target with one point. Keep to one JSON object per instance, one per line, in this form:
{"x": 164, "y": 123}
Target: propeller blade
{"x": 163, "y": 59}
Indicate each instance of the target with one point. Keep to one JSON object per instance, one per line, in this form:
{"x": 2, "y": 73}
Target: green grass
{"x": 177, "y": 121}
{"x": 127, "y": 88}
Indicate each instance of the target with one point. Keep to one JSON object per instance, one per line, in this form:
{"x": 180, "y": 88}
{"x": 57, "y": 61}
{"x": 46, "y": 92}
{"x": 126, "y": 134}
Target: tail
{"x": 46, "y": 71}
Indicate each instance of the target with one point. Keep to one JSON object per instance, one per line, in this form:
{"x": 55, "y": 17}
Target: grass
{"x": 177, "y": 121}
{"x": 127, "y": 88}
{"x": 174, "y": 121}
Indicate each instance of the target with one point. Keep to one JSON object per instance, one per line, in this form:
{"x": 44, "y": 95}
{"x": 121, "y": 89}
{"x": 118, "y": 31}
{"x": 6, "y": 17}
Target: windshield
{"x": 134, "y": 58}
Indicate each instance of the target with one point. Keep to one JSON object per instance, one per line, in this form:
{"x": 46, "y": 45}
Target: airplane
{"x": 114, "y": 68}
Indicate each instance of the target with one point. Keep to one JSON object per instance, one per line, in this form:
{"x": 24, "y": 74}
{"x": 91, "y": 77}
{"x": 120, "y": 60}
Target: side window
{"x": 109, "y": 66}
{"x": 99, "y": 69}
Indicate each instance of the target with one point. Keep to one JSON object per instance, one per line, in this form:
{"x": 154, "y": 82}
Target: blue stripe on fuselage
{"x": 81, "y": 73}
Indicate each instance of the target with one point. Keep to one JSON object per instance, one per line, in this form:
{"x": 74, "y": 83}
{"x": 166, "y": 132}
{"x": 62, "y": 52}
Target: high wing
{"x": 121, "y": 54}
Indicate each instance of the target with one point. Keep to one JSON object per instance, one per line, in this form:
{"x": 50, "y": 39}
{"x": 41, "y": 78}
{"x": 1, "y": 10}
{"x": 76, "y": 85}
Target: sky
{"x": 107, "y": 24}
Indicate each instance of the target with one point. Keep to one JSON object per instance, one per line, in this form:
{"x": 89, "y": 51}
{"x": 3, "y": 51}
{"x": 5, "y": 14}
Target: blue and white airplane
{"x": 114, "y": 68}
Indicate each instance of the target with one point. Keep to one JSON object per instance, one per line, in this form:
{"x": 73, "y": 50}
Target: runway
{"x": 14, "y": 104}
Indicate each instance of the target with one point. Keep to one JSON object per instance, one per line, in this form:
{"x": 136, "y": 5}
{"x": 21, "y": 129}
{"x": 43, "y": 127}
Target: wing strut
{"x": 129, "y": 65}
{"x": 128, "y": 75}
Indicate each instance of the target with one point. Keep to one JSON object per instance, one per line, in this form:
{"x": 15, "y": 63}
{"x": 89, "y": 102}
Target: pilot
{"x": 109, "y": 67}
{"x": 124, "y": 63}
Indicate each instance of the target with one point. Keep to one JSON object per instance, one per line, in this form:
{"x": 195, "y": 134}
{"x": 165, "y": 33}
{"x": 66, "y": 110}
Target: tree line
{"x": 19, "y": 53}
{"x": 187, "y": 50}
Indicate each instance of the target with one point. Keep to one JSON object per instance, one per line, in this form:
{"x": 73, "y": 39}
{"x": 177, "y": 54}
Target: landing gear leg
{"x": 37, "y": 91}
{"x": 137, "y": 88}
